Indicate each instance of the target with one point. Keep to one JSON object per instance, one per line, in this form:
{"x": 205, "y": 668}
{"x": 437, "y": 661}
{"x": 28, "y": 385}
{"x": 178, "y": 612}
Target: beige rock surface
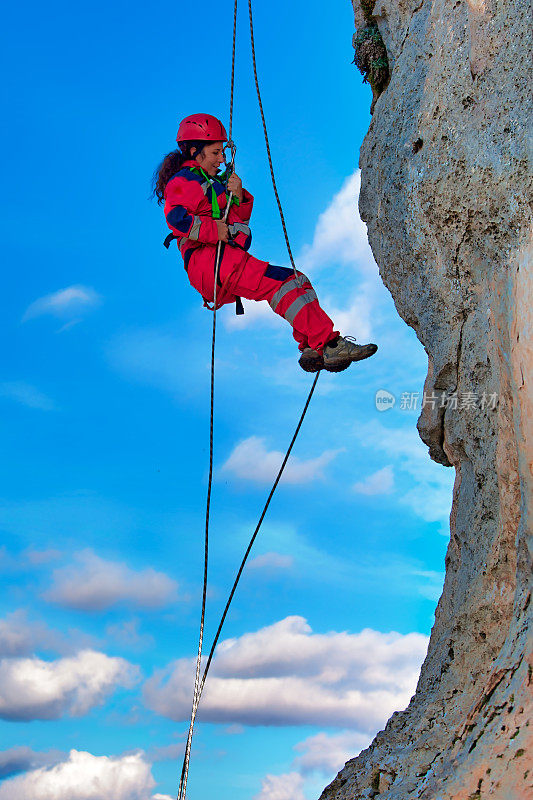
{"x": 449, "y": 223}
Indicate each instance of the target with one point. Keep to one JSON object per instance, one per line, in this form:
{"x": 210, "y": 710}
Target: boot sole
{"x": 342, "y": 363}
{"x": 311, "y": 363}
{"x": 337, "y": 367}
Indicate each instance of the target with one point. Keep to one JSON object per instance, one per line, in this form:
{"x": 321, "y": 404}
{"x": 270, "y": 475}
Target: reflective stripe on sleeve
{"x": 238, "y": 227}
{"x": 195, "y": 230}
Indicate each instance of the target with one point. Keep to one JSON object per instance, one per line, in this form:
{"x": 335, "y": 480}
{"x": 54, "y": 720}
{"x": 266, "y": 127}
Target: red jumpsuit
{"x": 189, "y": 205}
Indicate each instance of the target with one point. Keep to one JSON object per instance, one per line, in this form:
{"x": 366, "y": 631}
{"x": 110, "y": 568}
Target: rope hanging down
{"x": 254, "y": 536}
{"x": 197, "y": 688}
{"x": 199, "y": 684}
{"x": 197, "y": 691}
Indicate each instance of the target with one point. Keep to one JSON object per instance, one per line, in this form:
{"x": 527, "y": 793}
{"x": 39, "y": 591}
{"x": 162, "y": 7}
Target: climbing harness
{"x": 233, "y": 229}
{"x": 215, "y": 208}
{"x": 199, "y": 683}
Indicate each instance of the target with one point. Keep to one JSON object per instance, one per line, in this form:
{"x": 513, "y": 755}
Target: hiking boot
{"x": 311, "y": 360}
{"x": 339, "y": 354}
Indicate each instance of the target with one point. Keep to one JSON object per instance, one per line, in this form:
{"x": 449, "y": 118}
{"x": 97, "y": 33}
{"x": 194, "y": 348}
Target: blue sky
{"x": 104, "y": 424}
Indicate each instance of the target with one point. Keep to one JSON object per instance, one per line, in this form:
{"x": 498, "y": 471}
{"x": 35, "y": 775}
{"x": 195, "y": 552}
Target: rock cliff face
{"x": 445, "y": 188}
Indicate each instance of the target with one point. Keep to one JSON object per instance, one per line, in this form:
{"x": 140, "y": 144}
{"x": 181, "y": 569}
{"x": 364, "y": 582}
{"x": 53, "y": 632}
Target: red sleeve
{"x": 243, "y": 211}
{"x": 183, "y": 200}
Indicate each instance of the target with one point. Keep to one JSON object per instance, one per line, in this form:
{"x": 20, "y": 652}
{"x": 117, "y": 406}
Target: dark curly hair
{"x": 171, "y": 164}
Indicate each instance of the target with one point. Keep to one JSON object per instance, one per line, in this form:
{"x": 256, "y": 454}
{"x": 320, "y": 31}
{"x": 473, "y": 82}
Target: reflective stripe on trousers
{"x": 296, "y": 282}
{"x": 298, "y": 304}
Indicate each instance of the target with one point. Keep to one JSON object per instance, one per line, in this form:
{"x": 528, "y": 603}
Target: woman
{"x": 189, "y": 184}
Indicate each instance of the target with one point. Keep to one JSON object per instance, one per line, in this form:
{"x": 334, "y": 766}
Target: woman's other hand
{"x": 223, "y": 233}
{"x": 235, "y": 186}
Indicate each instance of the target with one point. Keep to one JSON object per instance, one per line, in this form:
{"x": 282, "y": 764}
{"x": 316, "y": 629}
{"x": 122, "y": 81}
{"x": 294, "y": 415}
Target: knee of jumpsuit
{"x": 292, "y": 295}
{"x": 296, "y": 301}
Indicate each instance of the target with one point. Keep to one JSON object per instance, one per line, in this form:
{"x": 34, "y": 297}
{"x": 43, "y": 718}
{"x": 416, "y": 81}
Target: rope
{"x": 197, "y": 688}
{"x": 198, "y": 692}
{"x": 267, "y": 143}
{"x": 254, "y": 536}
{"x": 185, "y": 768}
{"x": 199, "y": 684}
{"x": 232, "y": 82}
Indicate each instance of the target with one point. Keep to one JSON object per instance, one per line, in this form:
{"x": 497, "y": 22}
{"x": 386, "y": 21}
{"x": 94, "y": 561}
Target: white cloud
{"x": 251, "y": 461}
{"x": 281, "y": 787}
{"x": 350, "y": 286}
{"x": 431, "y": 500}
{"x": 340, "y": 235}
{"x": 19, "y": 637}
{"x": 284, "y": 674}
{"x": 322, "y": 755}
{"x": 169, "y": 752}
{"x": 85, "y": 777}
{"x": 234, "y": 730}
{"x": 271, "y": 561}
{"x": 339, "y": 241}
{"x": 430, "y": 495}
{"x": 22, "y": 759}
{"x": 27, "y": 395}
{"x": 311, "y": 561}
{"x": 34, "y": 689}
{"x": 64, "y": 303}
{"x": 356, "y": 318}
{"x": 431, "y": 583}
{"x": 94, "y": 584}
{"x": 380, "y": 482}
{"x": 127, "y": 634}
{"x": 255, "y": 312}
{"x": 328, "y": 753}
{"x": 38, "y": 557}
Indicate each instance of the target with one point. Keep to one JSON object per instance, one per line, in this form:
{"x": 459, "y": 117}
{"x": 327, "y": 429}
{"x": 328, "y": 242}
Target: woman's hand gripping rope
{"x": 234, "y": 187}
{"x": 223, "y": 231}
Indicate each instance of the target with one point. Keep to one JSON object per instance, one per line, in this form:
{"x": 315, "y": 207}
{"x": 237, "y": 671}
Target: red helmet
{"x": 201, "y": 128}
